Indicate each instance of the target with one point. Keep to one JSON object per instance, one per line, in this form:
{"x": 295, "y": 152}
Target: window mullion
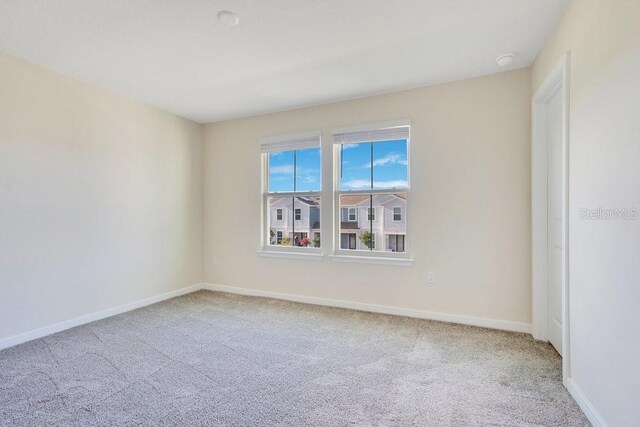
{"x": 371, "y": 201}
{"x": 293, "y": 212}
{"x": 293, "y": 198}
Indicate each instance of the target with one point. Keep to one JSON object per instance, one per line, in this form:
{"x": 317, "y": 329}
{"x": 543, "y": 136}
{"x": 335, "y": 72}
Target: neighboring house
{"x": 384, "y": 216}
{"x": 387, "y": 225}
{"x": 295, "y": 223}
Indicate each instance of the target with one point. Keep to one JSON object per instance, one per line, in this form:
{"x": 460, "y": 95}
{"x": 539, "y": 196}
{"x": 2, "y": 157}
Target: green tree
{"x": 367, "y": 239}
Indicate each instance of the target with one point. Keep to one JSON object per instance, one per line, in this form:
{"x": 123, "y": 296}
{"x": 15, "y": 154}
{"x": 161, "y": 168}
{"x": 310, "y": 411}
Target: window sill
{"x": 317, "y": 256}
{"x": 372, "y": 260}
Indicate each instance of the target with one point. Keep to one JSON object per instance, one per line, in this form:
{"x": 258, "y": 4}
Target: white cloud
{"x": 389, "y": 159}
{"x": 362, "y": 184}
{"x": 281, "y": 170}
{"x": 357, "y": 184}
{"x": 348, "y": 146}
{"x": 398, "y": 183}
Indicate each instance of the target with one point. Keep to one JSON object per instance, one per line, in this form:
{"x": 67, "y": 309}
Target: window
{"x": 291, "y": 191}
{"x": 349, "y": 214}
{"x": 397, "y": 213}
{"x": 348, "y": 240}
{"x": 396, "y": 242}
{"x": 373, "y": 179}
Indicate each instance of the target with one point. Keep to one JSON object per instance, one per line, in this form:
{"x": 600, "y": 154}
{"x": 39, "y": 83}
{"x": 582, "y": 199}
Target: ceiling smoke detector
{"x": 506, "y": 59}
{"x": 228, "y": 18}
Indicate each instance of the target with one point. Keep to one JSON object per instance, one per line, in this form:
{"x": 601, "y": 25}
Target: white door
{"x": 554, "y": 220}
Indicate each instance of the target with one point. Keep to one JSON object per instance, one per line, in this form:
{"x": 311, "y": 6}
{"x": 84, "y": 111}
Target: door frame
{"x": 556, "y": 82}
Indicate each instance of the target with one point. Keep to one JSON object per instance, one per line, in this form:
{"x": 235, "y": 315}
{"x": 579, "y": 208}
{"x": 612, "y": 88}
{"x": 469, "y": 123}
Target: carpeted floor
{"x": 211, "y": 358}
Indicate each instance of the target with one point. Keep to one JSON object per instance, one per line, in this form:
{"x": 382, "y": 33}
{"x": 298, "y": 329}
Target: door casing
{"x": 557, "y": 81}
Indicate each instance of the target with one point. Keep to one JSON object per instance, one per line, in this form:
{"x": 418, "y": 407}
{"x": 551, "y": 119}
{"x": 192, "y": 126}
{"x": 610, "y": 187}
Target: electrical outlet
{"x": 431, "y": 277}
{"x": 214, "y": 260}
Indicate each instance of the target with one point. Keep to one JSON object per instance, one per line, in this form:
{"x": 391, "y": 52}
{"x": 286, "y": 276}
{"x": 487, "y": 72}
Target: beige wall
{"x": 100, "y": 199}
{"x": 604, "y": 39}
{"x": 469, "y": 211}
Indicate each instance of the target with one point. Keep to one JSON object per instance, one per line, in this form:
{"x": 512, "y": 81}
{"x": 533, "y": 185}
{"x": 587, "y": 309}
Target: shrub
{"x": 304, "y": 241}
{"x": 367, "y": 239}
{"x": 286, "y": 241}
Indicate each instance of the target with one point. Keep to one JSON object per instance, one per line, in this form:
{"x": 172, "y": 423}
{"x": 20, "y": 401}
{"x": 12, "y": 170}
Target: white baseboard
{"x": 585, "y": 405}
{"x": 373, "y": 308}
{"x": 71, "y": 323}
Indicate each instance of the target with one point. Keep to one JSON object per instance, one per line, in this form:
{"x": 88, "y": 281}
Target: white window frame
{"x": 394, "y": 214}
{"x": 279, "y": 214}
{"x": 371, "y": 214}
{"x": 291, "y": 142}
{"x": 368, "y": 255}
{"x": 355, "y": 214}
{"x": 297, "y": 214}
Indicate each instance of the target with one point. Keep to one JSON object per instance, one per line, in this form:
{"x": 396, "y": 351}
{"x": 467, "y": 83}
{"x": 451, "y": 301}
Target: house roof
{"x": 308, "y": 200}
{"x": 363, "y": 200}
{"x": 287, "y": 201}
{"x": 352, "y": 200}
{"x": 394, "y": 197}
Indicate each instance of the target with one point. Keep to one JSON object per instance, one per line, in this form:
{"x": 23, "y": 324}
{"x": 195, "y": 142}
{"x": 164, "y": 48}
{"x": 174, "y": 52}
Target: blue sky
{"x": 389, "y": 167}
{"x": 307, "y": 171}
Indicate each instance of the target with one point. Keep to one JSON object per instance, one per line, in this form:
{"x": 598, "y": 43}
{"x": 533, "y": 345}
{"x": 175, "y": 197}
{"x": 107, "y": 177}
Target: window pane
{"x": 279, "y": 216}
{"x": 307, "y": 222}
{"x": 389, "y": 162}
{"x": 281, "y": 172}
{"x": 299, "y": 224}
{"x": 397, "y": 213}
{"x": 379, "y": 232}
{"x": 308, "y": 170}
{"x": 390, "y": 165}
{"x": 355, "y": 167}
{"x": 395, "y": 223}
{"x": 353, "y": 220}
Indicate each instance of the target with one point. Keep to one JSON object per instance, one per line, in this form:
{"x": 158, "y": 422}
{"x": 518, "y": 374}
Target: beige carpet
{"x": 219, "y": 359}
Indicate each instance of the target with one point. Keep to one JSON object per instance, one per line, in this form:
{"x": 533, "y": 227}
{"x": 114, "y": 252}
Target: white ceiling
{"x": 284, "y": 54}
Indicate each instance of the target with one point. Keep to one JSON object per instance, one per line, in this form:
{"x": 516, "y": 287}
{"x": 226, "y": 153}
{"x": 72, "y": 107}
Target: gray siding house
{"x": 295, "y": 223}
{"x": 382, "y": 215}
